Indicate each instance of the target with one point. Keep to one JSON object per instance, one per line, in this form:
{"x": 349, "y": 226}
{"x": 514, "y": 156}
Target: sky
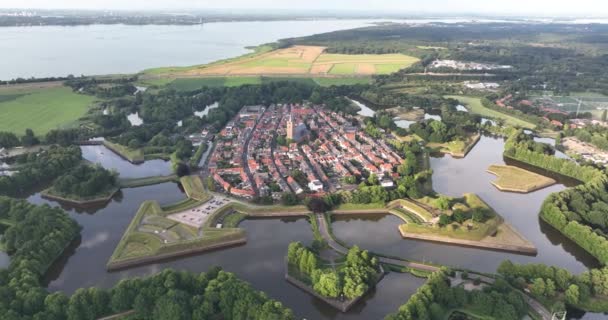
{"x": 496, "y": 7}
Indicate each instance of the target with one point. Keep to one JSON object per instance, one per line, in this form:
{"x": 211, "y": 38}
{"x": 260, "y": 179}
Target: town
{"x": 297, "y": 149}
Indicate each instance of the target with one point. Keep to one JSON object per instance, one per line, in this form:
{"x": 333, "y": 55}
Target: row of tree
{"x": 10, "y": 140}
{"x": 579, "y": 212}
{"x": 553, "y": 282}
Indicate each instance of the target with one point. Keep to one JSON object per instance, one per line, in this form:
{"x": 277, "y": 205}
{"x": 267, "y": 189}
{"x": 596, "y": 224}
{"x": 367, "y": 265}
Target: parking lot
{"x": 197, "y": 216}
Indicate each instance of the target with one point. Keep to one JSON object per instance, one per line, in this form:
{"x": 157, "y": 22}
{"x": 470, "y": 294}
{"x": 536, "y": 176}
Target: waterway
{"x": 135, "y": 119}
{"x": 260, "y": 261}
{"x": 205, "y": 111}
{"x": 454, "y": 177}
{"x": 110, "y": 160}
{"x": 52, "y": 51}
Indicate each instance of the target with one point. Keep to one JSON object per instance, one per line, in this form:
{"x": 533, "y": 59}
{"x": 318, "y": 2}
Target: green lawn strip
{"x": 102, "y": 195}
{"x": 193, "y": 185}
{"x": 342, "y": 81}
{"x": 42, "y": 109}
{"x": 147, "y": 181}
{"x": 133, "y": 156}
{"x": 343, "y": 69}
{"x": 388, "y": 68}
{"x": 405, "y": 215}
{"x": 130, "y": 235}
{"x": 270, "y": 209}
{"x": 475, "y": 106}
{"x": 359, "y": 206}
{"x": 414, "y": 208}
{"x": 477, "y": 233}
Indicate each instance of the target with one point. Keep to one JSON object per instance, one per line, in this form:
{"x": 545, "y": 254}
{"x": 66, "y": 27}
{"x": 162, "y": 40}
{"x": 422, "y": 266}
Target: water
{"x": 454, "y": 177}
{"x": 461, "y": 108}
{"x": 205, "y": 112}
{"x": 119, "y": 49}
{"x": 405, "y": 124}
{"x": 259, "y": 262}
{"x": 110, "y": 160}
{"x": 365, "y": 110}
{"x": 5, "y": 260}
{"x": 435, "y": 117}
{"x": 135, "y": 119}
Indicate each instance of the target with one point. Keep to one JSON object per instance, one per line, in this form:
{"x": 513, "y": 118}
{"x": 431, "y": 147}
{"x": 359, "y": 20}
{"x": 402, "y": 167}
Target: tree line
{"x": 559, "y": 284}
{"x": 35, "y": 169}
{"x": 38, "y": 236}
{"x": 85, "y": 181}
{"x": 436, "y": 299}
{"x": 579, "y": 212}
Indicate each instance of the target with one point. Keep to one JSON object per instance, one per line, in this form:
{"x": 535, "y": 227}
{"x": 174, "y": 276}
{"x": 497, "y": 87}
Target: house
{"x": 315, "y": 186}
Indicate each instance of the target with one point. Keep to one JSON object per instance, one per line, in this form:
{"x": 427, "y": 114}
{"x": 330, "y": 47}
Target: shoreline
{"x": 528, "y": 249}
{"x": 133, "y": 262}
{"x": 100, "y": 200}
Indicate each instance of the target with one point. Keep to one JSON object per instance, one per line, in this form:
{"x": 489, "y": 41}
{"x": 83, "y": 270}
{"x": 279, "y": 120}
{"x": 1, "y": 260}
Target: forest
{"x": 436, "y": 299}
{"x": 39, "y": 234}
{"x": 35, "y": 169}
{"x": 85, "y": 181}
{"x": 351, "y": 280}
{"x": 559, "y": 285}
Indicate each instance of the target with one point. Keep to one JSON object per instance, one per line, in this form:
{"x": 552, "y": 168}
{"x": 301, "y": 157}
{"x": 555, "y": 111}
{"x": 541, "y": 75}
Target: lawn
{"x": 328, "y": 82}
{"x": 194, "y": 188}
{"x": 474, "y": 105}
{"x": 516, "y": 179}
{"x": 41, "y": 109}
{"x": 150, "y": 236}
{"x": 343, "y": 68}
{"x": 131, "y": 155}
{"x": 414, "y": 208}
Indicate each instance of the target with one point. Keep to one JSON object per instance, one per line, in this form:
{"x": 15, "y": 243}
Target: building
{"x": 290, "y": 128}
{"x": 315, "y": 186}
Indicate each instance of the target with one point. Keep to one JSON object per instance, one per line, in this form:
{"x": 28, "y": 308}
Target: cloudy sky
{"x": 536, "y": 7}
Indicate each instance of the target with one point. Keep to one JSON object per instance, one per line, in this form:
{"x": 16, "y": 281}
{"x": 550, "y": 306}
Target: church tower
{"x": 290, "y": 128}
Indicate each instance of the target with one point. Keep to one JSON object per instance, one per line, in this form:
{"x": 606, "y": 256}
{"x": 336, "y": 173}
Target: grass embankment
{"x": 457, "y": 148}
{"x": 475, "y": 106}
{"x": 490, "y": 233}
{"x": 193, "y": 185}
{"x": 40, "y": 108}
{"x": 100, "y": 197}
{"x": 151, "y": 236}
{"x": 148, "y": 181}
{"x": 131, "y": 155}
{"x": 516, "y": 179}
{"x": 410, "y": 206}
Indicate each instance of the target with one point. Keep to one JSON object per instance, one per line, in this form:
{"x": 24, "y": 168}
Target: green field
{"x": 343, "y": 68}
{"x": 194, "y": 188}
{"x": 41, "y": 109}
{"x": 388, "y": 68}
{"x": 517, "y": 179}
{"x": 474, "y": 105}
{"x": 328, "y": 82}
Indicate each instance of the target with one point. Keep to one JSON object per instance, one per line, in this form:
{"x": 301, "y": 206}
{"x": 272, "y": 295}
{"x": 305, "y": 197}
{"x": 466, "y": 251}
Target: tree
{"x": 317, "y": 205}
{"x": 604, "y": 115}
{"x": 443, "y": 203}
{"x": 538, "y": 287}
{"x": 328, "y": 285}
{"x": 29, "y": 139}
{"x": 289, "y": 199}
{"x": 572, "y": 294}
{"x": 444, "y": 220}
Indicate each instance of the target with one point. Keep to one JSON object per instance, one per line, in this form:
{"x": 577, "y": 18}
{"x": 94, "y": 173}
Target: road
{"x": 246, "y": 153}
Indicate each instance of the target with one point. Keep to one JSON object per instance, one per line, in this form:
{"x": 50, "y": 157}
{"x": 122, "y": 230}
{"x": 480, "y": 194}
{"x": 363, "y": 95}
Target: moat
{"x": 260, "y": 261}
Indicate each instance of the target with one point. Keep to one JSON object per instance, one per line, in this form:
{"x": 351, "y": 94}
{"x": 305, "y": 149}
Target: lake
{"x": 113, "y": 49}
